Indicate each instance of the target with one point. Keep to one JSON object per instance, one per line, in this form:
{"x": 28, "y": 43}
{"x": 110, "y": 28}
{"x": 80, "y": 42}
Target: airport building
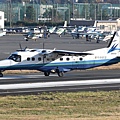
{"x": 108, "y": 25}
{"x": 103, "y": 25}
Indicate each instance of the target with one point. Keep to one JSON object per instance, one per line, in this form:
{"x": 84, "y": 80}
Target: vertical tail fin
{"x": 61, "y": 30}
{"x": 111, "y": 40}
{"x": 65, "y": 24}
{"x": 114, "y": 43}
{"x": 95, "y": 24}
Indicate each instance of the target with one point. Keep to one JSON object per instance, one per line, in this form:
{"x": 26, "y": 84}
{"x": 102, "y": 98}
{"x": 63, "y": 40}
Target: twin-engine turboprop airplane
{"x": 61, "y": 61}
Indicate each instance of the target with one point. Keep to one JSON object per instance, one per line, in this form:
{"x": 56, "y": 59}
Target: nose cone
{"x": 5, "y": 64}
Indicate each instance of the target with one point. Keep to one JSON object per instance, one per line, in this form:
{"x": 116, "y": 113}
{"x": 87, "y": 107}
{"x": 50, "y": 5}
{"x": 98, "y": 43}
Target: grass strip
{"x": 99, "y": 105}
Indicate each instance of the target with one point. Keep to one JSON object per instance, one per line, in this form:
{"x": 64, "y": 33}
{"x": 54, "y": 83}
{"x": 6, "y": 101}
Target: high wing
{"x": 64, "y": 52}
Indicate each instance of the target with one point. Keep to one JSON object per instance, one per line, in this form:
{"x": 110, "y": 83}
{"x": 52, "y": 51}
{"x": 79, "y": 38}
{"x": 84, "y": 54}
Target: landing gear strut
{"x": 60, "y": 74}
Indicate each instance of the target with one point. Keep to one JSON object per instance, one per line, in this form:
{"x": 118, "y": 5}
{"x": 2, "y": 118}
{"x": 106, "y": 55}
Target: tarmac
{"x": 10, "y": 43}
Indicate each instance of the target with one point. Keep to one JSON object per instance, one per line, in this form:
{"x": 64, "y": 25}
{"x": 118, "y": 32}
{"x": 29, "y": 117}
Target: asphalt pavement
{"x": 11, "y": 43}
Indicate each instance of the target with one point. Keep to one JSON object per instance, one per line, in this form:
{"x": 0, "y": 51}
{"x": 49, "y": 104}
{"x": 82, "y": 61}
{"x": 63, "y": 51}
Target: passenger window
{"x": 48, "y": 59}
{"x": 39, "y": 59}
{"x": 33, "y": 59}
{"x": 67, "y": 59}
{"x": 53, "y": 59}
{"x": 81, "y": 59}
{"x": 61, "y": 59}
{"x": 28, "y": 59}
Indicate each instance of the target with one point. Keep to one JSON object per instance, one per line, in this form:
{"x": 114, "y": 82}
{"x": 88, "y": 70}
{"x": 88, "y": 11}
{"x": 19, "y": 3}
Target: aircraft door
{"x": 81, "y": 62}
{"x": 49, "y": 58}
{"x": 78, "y": 62}
{"x": 44, "y": 58}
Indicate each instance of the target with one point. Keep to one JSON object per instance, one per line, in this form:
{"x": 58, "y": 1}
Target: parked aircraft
{"x": 61, "y": 61}
{"x": 80, "y": 31}
{"x": 2, "y": 32}
{"x": 33, "y": 36}
{"x": 92, "y": 33}
{"x": 108, "y": 37}
{"x": 51, "y": 30}
{"x": 61, "y": 29}
{"x": 35, "y": 30}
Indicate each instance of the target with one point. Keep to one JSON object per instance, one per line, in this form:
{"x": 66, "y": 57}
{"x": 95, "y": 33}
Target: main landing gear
{"x": 60, "y": 73}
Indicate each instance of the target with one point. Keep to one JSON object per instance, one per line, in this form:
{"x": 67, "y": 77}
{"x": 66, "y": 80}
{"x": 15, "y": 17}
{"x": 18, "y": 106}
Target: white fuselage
{"x": 46, "y": 60}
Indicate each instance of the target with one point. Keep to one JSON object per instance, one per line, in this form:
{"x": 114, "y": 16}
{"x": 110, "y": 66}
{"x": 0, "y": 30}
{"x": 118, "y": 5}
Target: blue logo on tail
{"x": 112, "y": 48}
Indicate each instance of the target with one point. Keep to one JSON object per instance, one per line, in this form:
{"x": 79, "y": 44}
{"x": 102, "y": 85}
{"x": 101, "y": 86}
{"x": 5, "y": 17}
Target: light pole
{"x": 24, "y": 4}
{"x": 73, "y": 8}
{"x": 101, "y": 14}
{"x": 10, "y": 12}
{"x": 37, "y": 13}
{"x": 95, "y": 11}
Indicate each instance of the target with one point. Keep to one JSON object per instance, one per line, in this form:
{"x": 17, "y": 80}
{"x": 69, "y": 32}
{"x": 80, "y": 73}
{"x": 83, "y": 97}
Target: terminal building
{"x": 108, "y": 25}
{"x": 103, "y": 25}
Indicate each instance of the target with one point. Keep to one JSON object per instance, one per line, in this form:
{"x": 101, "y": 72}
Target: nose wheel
{"x": 1, "y": 75}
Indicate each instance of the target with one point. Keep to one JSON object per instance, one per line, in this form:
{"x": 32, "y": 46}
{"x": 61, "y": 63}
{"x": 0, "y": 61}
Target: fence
{"x": 59, "y": 12}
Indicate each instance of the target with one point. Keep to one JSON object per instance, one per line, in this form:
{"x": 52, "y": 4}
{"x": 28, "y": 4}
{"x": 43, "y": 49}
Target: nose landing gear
{"x": 1, "y": 75}
{"x": 46, "y": 73}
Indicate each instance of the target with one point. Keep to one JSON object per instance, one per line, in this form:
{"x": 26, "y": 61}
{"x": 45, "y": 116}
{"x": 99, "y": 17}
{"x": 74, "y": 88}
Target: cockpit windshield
{"x": 16, "y": 58}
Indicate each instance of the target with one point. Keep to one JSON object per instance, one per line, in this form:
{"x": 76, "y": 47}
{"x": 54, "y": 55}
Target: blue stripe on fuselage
{"x": 67, "y": 65}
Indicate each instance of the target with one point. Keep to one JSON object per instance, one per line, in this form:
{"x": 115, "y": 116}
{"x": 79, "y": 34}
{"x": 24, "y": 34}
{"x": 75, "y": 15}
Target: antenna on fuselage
{"x": 20, "y": 46}
{"x": 25, "y": 48}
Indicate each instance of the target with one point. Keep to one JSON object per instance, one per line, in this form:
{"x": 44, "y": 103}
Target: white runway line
{"x": 58, "y": 84}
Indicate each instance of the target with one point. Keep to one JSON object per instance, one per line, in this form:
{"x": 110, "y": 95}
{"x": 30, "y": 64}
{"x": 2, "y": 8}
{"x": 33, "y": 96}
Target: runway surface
{"x": 88, "y": 80}
{"x": 35, "y": 83}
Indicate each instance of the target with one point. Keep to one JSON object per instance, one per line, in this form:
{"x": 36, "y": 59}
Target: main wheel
{"x": 60, "y": 74}
{"x": 46, "y": 73}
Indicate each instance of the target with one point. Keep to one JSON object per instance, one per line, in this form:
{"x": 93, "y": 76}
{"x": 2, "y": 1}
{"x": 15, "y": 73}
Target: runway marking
{"x": 58, "y": 84}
